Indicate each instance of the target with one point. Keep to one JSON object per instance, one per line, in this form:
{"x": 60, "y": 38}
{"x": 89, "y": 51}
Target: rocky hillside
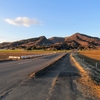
{"x": 57, "y": 39}
{"x": 76, "y": 41}
{"x": 39, "y": 41}
{"x": 82, "y": 41}
{"x": 79, "y": 41}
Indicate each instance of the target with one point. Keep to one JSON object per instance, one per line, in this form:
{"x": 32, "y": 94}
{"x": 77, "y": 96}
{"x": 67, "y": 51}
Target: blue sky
{"x": 22, "y": 19}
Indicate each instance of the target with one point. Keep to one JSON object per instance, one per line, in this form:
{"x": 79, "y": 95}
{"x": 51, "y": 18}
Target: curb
{"x": 45, "y": 68}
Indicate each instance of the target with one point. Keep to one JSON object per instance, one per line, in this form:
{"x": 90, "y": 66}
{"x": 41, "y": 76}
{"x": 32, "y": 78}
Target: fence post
{"x": 96, "y": 65}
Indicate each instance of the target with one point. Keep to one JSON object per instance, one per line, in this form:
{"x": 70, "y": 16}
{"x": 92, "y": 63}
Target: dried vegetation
{"x": 92, "y": 57}
{"x": 4, "y": 54}
{"x": 85, "y": 84}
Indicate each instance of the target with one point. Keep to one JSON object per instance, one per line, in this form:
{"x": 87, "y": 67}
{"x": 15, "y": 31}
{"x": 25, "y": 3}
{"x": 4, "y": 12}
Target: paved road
{"x": 54, "y": 84}
{"x": 14, "y": 72}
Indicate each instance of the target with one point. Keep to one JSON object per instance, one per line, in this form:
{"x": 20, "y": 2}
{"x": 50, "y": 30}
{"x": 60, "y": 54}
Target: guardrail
{"x": 27, "y": 56}
{"x": 14, "y": 57}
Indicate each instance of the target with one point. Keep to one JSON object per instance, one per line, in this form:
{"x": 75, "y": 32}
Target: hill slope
{"x": 82, "y": 40}
{"x": 57, "y": 39}
{"x": 39, "y": 41}
{"x": 77, "y": 40}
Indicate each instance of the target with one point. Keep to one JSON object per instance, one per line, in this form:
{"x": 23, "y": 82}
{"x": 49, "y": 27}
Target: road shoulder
{"x": 85, "y": 84}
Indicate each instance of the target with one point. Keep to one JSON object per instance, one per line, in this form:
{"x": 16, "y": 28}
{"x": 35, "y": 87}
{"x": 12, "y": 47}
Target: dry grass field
{"x": 4, "y": 54}
{"x": 90, "y": 56}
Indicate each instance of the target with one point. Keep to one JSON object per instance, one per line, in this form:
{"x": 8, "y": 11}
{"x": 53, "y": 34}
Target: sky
{"x": 23, "y": 19}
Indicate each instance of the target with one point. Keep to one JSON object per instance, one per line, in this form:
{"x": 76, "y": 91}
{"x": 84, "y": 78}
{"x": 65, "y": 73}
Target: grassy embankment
{"x": 86, "y": 83}
{"x": 90, "y": 56}
{"x": 4, "y": 54}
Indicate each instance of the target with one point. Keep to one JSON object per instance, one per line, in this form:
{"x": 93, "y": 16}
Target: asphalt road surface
{"x": 14, "y": 72}
{"x": 54, "y": 84}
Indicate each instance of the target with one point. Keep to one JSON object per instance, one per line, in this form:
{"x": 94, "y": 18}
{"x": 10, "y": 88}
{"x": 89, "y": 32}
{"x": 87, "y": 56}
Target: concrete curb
{"x": 45, "y": 68}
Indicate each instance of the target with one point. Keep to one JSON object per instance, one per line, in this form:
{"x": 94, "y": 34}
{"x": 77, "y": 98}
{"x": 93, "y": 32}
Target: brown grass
{"x": 87, "y": 86}
{"x": 94, "y": 54}
{"x": 91, "y": 57}
{"x": 5, "y": 54}
{"x": 85, "y": 83}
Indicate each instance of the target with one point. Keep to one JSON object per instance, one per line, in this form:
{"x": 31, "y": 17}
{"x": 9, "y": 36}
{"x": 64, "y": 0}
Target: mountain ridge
{"x": 75, "y": 41}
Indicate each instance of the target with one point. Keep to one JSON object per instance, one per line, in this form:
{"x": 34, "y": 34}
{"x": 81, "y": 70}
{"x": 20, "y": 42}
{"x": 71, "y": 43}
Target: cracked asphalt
{"x": 57, "y": 83}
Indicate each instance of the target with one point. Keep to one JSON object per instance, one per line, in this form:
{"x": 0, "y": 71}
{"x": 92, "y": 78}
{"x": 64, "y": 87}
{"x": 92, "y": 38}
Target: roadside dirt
{"x": 85, "y": 84}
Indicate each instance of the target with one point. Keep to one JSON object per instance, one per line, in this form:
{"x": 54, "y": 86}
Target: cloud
{"x": 24, "y": 21}
{"x": 2, "y": 37}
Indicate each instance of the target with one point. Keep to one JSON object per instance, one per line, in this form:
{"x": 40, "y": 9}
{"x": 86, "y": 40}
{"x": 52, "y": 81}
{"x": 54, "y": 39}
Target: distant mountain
{"x": 57, "y": 39}
{"x": 76, "y": 41}
{"x": 82, "y": 41}
{"x": 39, "y": 41}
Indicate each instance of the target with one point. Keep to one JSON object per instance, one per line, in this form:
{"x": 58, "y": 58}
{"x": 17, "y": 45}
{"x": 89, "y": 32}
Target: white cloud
{"x": 1, "y": 37}
{"x": 23, "y": 21}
